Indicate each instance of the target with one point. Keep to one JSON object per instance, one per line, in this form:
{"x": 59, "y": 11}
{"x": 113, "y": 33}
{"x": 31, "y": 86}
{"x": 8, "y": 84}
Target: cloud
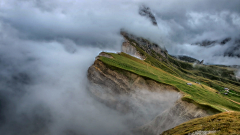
{"x": 44, "y": 91}
{"x": 97, "y": 23}
{"x": 85, "y": 22}
{"x": 186, "y": 22}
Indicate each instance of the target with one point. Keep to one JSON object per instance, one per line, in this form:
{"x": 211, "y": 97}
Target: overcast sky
{"x": 46, "y": 47}
{"x": 98, "y": 22}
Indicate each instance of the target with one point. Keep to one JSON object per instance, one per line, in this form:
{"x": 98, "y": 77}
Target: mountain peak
{"x": 146, "y": 11}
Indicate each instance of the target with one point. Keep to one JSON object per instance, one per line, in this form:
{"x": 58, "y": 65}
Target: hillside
{"x": 144, "y": 65}
{"x": 211, "y": 78}
{"x": 224, "y": 123}
{"x": 199, "y": 93}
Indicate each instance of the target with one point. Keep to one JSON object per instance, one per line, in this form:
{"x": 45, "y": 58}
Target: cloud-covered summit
{"x": 187, "y": 22}
{"x": 97, "y": 23}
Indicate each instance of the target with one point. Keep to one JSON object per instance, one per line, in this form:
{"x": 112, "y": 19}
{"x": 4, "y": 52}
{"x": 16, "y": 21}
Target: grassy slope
{"x": 213, "y": 76}
{"x": 224, "y": 123}
{"x": 168, "y": 74}
{"x": 209, "y": 75}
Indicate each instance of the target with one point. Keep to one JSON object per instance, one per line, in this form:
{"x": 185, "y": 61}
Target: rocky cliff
{"x": 151, "y": 48}
{"x": 150, "y": 88}
{"x": 156, "y": 107}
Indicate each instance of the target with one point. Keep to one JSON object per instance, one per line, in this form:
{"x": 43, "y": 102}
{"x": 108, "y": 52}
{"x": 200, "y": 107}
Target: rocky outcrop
{"x": 145, "y": 45}
{"x": 154, "y": 107}
{"x": 107, "y": 83}
{"x": 146, "y": 11}
{"x": 131, "y": 50}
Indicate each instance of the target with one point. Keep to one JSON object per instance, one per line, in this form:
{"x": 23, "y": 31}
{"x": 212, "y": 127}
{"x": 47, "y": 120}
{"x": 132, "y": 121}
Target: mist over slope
{"x": 46, "y": 48}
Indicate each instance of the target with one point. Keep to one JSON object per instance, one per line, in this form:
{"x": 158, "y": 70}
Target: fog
{"x": 46, "y": 48}
{"x": 43, "y": 91}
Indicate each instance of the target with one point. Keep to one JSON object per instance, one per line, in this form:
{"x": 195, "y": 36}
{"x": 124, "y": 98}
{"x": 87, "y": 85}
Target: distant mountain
{"x": 233, "y": 49}
{"x": 207, "y": 43}
{"x": 186, "y": 58}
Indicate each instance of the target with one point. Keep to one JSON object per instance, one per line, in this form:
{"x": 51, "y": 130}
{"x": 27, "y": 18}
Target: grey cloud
{"x": 186, "y": 22}
{"x": 94, "y": 23}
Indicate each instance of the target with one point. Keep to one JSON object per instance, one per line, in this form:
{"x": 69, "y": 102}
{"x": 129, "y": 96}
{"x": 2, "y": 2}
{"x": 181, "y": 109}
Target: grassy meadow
{"x": 200, "y": 94}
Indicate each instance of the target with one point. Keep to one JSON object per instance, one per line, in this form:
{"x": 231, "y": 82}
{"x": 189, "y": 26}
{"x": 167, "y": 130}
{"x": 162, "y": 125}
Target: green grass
{"x": 227, "y": 123}
{"x": 165, "y": 74}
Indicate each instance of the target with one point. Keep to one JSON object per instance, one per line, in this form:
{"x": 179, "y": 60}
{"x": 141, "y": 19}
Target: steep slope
{"x": 121, "y": 82}
{"x": 207, "y": 74}
{"x": 199, "y": 93}
{"x": 128, "y": 93}
{"x": 111, "y": 85}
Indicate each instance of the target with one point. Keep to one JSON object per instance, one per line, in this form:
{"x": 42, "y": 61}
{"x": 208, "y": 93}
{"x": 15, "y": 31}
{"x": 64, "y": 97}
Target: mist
{"x": 44, "y": 91}
{"x": 46, "y": 48}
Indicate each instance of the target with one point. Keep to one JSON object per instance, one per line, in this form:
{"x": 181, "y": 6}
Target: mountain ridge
{"x": 233, "y": 49}
{"x": 144, "y": 64}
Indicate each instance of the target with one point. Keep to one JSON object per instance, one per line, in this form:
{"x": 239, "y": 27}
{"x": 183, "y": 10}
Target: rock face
{"x": 109, "y": 85}
{"x": 131, "y": 50}
{"x": 146, "y": 11}
{"x": 144, "y": 44}
{"x": 154, "y": 107}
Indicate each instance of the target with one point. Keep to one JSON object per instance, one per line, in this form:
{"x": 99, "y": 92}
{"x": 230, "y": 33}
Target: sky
{"x": 46, "y": 48}
{"x": 98, "y": 22}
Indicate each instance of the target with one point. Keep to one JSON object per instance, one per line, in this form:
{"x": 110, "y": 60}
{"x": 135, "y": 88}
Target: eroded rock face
{"x": 129, "y": 93}
{"x": 144, "y": 44}
{"x": 181, "y": 112}
{"x": 131, "y": 50}
{"x": 152, "y": 107}
{"x": 107, "y": 83}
